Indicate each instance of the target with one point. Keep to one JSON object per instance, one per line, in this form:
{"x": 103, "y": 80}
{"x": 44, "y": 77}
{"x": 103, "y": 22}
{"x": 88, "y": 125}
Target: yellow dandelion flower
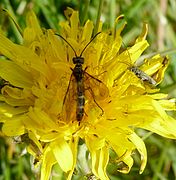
{"x": 41, "y": 97}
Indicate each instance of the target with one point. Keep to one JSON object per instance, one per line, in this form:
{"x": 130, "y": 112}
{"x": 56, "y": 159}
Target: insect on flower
{"x": 138, "y": 72}
{"x": 80, "y": 83}
{"x": 153, "y": 79}
{"x": 142, "y": 75}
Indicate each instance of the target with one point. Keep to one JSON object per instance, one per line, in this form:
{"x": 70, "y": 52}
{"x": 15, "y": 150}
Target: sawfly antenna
{"x": 67, "y": 43}
{"x": 72, "y": 46}
{"x": 89, "y": 43}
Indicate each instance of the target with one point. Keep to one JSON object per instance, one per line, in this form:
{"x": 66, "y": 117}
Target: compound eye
{"x": 74, "y": 60}
{"x": 81, "y": 60}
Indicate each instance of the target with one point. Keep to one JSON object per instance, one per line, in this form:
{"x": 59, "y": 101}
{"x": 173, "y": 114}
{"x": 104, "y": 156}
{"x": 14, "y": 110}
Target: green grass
{"x": 161, "y": 152}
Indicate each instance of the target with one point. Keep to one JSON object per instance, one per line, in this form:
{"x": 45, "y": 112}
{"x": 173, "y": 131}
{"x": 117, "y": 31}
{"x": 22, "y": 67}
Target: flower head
{"x": 40, "y": 97}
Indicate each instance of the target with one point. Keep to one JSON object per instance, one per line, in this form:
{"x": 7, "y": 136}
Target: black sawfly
{"x": 81, "y": 85}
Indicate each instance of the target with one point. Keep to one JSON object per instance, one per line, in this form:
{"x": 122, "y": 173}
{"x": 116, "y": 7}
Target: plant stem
{"x": 98, "y": 17}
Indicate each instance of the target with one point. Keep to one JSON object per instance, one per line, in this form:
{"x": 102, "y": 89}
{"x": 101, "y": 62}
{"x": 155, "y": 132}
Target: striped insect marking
{"x": 78, "y": 74}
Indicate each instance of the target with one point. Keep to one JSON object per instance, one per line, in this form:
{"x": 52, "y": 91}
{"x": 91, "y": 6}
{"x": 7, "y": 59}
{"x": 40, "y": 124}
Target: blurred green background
{"x": 160, "y": 15}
